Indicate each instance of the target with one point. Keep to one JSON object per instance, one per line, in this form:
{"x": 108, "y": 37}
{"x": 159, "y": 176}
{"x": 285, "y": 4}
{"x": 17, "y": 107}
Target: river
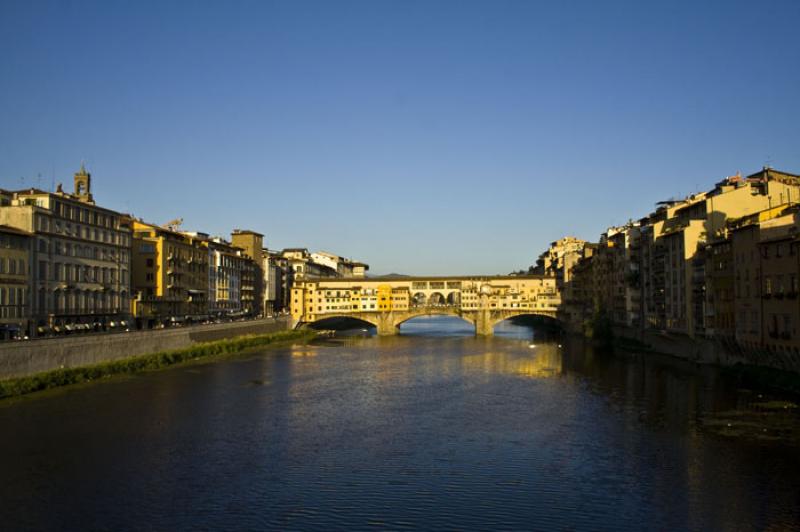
{"x": 434, "y": 428}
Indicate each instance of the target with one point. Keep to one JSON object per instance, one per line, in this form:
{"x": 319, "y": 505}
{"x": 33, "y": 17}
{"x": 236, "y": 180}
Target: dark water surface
{"x": 432, "y": 429}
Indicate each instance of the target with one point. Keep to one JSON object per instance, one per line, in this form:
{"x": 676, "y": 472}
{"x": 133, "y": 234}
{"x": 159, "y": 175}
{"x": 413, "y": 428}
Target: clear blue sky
{"x": 422, "y": 137}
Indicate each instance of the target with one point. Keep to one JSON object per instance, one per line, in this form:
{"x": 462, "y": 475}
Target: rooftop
{"x": 14, "y": 230}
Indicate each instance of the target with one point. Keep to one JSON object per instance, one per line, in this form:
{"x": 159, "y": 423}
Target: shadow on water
{"x": 345, "y": 327}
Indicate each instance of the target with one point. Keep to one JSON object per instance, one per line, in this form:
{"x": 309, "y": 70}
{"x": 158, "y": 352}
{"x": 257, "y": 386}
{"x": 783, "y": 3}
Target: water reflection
{"x": 430, "y": 429}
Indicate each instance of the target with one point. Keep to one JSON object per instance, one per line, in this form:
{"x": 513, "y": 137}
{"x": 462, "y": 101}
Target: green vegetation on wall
{"x": 67, "y": 376}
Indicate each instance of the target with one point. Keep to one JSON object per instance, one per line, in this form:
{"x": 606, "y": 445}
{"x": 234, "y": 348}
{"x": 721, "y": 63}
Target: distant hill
{"x": 388, "y": 275}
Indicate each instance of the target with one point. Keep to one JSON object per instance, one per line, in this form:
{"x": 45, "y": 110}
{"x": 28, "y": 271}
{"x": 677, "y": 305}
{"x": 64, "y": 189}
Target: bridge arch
{"x": 507, "y": 315}
{"x": 331, "y": 319}
{"x": 419, "y": 299}
{"x": 437, "y": 299}
{"x": 430, "y": 312}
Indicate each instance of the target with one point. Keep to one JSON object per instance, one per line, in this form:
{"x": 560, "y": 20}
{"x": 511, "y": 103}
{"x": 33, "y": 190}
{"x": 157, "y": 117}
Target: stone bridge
{"x": 388, "y": 302}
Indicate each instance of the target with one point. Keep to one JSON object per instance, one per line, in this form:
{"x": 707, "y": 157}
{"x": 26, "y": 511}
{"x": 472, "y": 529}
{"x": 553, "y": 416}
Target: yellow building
{"x": 384, "y": 297}
{"x": 170, "y": 275}
{"x": 15, "y": 282}
{"x": 252, "y": 281}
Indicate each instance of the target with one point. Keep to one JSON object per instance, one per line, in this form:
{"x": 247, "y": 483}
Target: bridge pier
{"x": 483, "y": 324}
{"x": 386, "y": 325}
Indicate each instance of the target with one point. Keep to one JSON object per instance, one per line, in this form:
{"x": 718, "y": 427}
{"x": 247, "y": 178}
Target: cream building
{"x": 226, "y": 266}
{"x": 80, "y": 276}
{"x": 15, "y": 282}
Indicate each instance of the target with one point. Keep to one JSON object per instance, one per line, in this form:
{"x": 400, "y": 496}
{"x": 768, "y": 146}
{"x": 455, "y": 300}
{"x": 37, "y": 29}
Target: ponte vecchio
{"x": 387, "y": 302}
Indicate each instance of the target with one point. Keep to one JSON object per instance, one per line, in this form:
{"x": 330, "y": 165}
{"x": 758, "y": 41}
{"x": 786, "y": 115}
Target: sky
{"x": 422, "y": 137}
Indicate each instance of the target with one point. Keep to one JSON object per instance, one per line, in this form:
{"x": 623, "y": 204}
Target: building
{"x": 674, "y": 238}
{"x": 252, "y": 281}
{"x": 580, "y": 300}
{"x": 342, "y": 266}
{"x": 557, "y": 261}
{"x": 689, "y": 267}
{"x": 765, "y": 280}
{"x": 720, "y": 307}
{"x": 274, "y": 273}
{"x": 170, "y": 275}
{"x": 15, "y": 283}
{"x": 616, "y": 267}
{"x": 779, "y": 266}
{"x": 226, "y": 267}
{"x": 301, "y": 264}
{"x": 81, "y": 261}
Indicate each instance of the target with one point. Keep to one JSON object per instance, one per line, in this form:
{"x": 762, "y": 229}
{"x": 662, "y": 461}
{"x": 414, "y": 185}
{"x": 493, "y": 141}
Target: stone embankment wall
{"x": 25, "y": 358}
{"x": 705, "y": 351}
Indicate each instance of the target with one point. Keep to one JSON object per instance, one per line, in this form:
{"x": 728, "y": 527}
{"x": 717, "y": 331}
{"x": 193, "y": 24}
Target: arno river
{"x": 431, "y": 429}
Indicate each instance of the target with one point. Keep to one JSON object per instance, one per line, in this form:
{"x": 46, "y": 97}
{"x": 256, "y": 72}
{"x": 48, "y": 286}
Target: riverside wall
{"x": 25, "y": 358}
{"x": 707, "y": 351}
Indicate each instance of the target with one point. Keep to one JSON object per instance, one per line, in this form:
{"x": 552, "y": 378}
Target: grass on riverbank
{"x": 66, "y": 376}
